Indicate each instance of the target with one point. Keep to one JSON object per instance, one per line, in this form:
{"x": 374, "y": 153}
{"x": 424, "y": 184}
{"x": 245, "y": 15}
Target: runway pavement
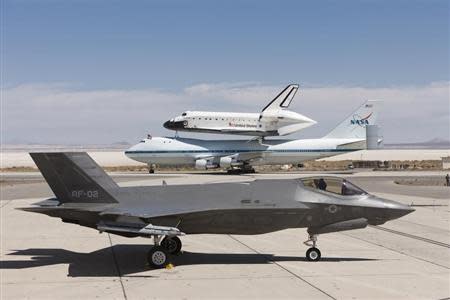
{"x": 43, "y": 258}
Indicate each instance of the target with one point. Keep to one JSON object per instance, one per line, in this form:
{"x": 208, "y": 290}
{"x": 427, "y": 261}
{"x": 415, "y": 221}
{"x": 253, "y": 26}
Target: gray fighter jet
{"x": 87, "y": 196}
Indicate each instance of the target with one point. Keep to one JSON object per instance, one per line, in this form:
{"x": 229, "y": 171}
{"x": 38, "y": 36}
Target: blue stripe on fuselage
{"x": 240, "y": 151}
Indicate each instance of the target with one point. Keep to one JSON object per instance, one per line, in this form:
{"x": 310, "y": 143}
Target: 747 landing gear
{"x": 245, "y": 169}
{"x": 313, "y": 253}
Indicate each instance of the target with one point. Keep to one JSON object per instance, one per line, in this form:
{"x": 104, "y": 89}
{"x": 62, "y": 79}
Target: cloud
{"x": 62, "y": 113}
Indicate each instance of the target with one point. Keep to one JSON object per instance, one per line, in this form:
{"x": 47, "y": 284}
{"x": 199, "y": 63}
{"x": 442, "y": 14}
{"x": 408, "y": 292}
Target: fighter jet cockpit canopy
{"x": 333, "y": 185}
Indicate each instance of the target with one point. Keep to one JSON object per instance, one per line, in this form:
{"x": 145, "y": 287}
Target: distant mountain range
{"x": 119, "y": 146}
{"x": 435, "y": 143}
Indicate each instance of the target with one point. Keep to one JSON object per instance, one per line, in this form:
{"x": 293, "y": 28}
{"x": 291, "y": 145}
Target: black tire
{"x": 234, "y": 171}
{"x": 313, "y": 254}
{"x": 172, "y": 244}
{"x": 248, "y": 171}
{"x": 151, "y": 171}
{"x": 157, "y": 257}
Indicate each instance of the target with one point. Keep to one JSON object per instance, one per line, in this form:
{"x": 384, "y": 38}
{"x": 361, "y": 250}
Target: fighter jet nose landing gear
{"x": 313, "y": 253}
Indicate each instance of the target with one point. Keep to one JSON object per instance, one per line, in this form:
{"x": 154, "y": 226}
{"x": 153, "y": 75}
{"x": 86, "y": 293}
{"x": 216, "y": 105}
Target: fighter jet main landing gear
{"x": 159, "y": 254}
{"x": 172, "y": 244}
{"x": 157, "y": 257}
{"x": 313, "y": 253}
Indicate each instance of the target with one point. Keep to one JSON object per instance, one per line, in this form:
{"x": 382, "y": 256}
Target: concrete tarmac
{"x": 409, "y": 258}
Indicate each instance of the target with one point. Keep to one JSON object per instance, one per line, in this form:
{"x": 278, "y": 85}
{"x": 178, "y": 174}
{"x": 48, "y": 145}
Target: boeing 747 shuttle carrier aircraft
{"x": 350, "y": 135}
{"x": 273, "y": 120}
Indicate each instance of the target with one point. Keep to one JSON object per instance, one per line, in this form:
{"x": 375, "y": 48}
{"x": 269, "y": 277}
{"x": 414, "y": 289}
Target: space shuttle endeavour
{"x": 273, "y": 120}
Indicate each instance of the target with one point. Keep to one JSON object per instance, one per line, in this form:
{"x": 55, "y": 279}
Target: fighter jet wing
{"x": 147, "y": 230}
{"x": 143, "y": 214}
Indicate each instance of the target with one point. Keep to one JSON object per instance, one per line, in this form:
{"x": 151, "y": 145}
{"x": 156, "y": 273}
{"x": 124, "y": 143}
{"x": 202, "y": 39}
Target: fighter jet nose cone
{"x": 397, "y": 210}
{"x": 405, "y": 210}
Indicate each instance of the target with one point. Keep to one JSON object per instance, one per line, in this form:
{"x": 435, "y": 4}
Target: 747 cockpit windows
{"x": 333, "y": 185}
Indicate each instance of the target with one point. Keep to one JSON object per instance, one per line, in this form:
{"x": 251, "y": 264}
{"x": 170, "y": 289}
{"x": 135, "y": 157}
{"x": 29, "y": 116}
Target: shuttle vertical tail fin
{"x": 283, "y": 99}
{"x": 354, "y": 126}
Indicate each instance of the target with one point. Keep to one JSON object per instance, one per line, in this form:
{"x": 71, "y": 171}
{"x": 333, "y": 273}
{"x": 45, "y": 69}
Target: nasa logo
{"x": 358, "y": 120}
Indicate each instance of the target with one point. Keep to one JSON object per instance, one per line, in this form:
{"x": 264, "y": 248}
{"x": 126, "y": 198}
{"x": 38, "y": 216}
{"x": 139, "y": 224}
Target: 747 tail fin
{"x": 75, "y": 177}
{"x": 354, "y": 126}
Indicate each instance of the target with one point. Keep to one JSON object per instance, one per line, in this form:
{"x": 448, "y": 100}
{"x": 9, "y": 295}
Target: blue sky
{"x": 132, "y": 46}
{"x": 167, "y": 44}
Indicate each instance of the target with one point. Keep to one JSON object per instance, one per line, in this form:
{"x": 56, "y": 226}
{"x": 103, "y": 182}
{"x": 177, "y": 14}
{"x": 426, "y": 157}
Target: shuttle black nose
{"x": 174, "y": 125}
{"x": 168, "y": 124}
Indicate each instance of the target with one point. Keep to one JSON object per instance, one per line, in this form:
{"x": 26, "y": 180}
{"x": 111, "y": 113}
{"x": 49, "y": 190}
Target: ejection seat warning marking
{"x": 85, "y": 194}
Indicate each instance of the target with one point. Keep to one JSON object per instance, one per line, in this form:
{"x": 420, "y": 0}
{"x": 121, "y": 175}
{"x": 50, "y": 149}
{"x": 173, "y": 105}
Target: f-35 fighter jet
{"x": 87, "y": 196}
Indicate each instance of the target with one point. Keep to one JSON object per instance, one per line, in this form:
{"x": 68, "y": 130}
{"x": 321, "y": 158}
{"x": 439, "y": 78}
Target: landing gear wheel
{"x": 313, "y": 254}
{"x": 172, "y": 244}
{"x": 234, "y": 171}
{"x": 157, "y": 257}
{"x": 151, "y": 171}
